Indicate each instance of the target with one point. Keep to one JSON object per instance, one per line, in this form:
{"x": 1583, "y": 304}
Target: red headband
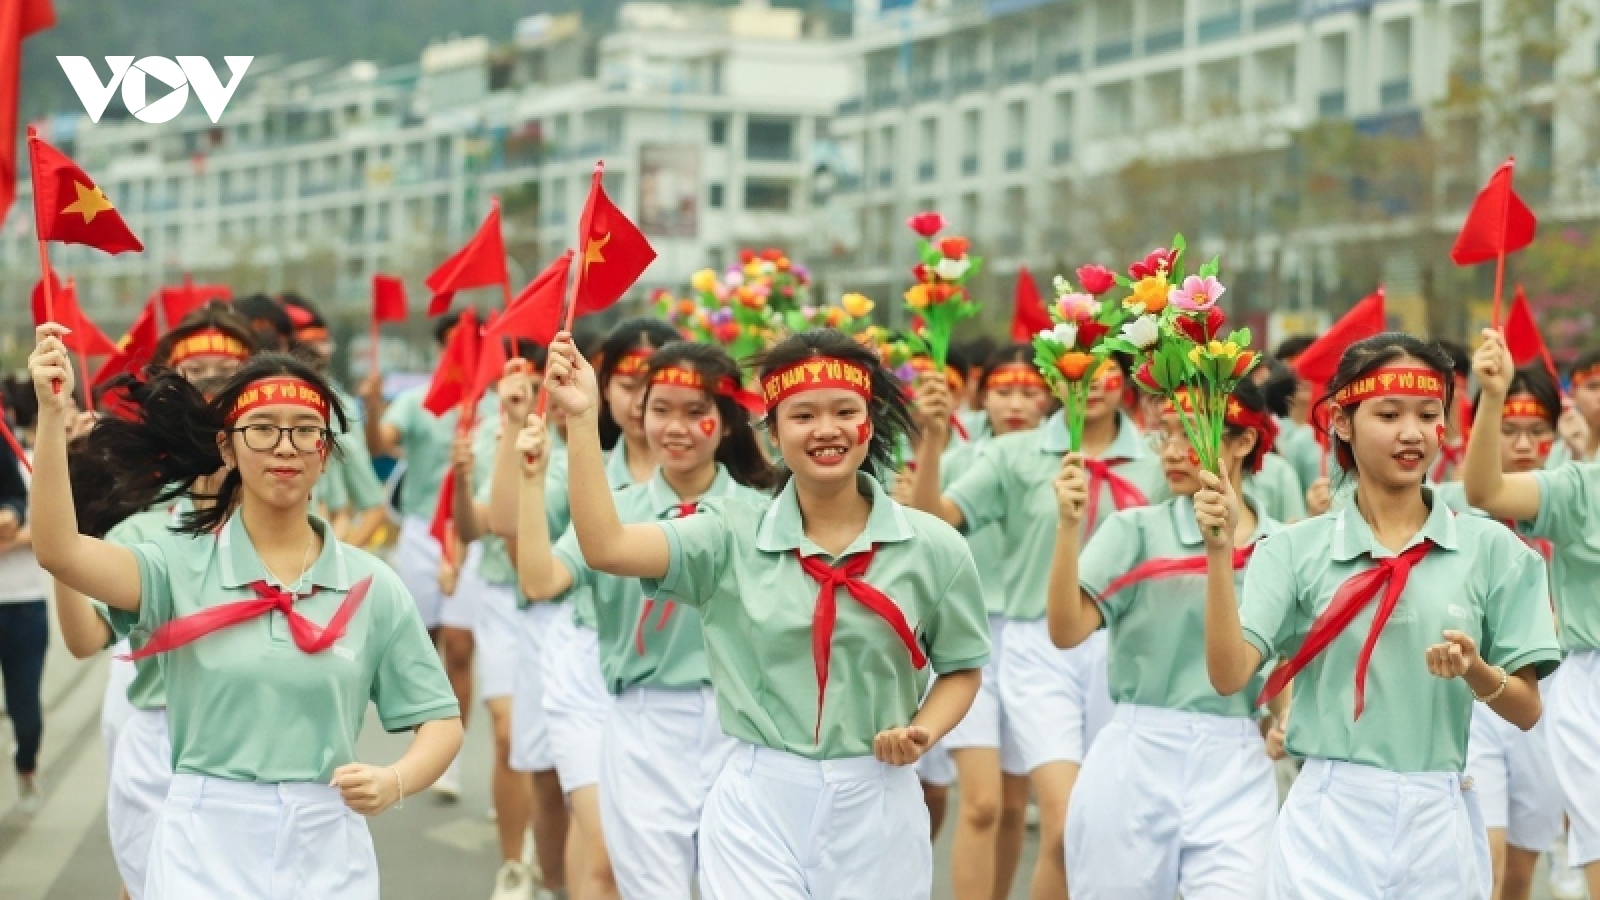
{"x": 1392, "y": 381}
{"x": 311, "y": 333}
{"x": 1590, "y": 374}
{"x": 1239, "y": 416}
{"x": 516, "y": 365}
{"x": 1013, "y": 375}
{"x": 920, "y": 364}
{"x": 727, "y": 386}
{"x": 633, "y": 362}
{"x": 816, "y": 373}
{"x": 1526, "y": 406}
{"x": 278, "y": 391}
{"x": 207, "y": 342}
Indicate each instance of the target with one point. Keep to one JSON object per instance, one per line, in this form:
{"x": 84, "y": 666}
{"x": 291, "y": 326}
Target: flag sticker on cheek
{"x": 1439, "y": 431}
{"x": 1545, "y": 446}
{"x": 863, "y": 432}
{"x": 1194, "y": 458}
{"x": 708, "y": 426}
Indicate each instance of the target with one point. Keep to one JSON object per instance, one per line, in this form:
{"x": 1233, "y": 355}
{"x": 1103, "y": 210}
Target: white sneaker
{"x": 448, "y": 787}
{"x": 512, "y": 882}
{"x": 29, "y": 798}
{"x": 1566, "y": 883}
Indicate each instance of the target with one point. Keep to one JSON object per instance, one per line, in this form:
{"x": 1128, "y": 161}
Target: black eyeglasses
{"x": 263, "y": 438}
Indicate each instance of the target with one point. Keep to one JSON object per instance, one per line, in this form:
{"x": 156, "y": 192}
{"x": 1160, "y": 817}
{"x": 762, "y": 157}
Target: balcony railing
{"x": 1220, "y": 27}
{"x": 1394, "y": 93}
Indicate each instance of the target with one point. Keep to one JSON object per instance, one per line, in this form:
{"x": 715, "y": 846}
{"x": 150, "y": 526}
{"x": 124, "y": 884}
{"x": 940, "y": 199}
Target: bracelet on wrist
{"x": 401, "y": 784}
{"x": 1505, "y": 679}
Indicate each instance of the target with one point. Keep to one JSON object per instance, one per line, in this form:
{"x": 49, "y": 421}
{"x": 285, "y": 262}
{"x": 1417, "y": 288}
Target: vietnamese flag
{"x": 457, "y": 365}
{"x": 481, "y": 262}
{"x": 615, "y": 252}
{"x": 492, "y": 356}
{"x": 388, "y": 299}
{"x": 535, "y": 314}
{"x": 1028, "y": 315}
{"x": 1523, "y": 338}
{"x": 68, "y": 207}
{"x": 177, "y": 301}
{"x": 18, "y": 20}
{"x": 1321, "y": 360}
{"x": 136, "y": 348}
{"x": 85, "y": 338}
{"x": 443, "y": 526}
{"x": 1498, "y": 223}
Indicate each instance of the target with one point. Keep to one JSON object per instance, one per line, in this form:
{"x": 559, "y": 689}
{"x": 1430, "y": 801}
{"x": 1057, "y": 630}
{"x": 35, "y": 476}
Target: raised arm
{"x": 933, "y": 409}
{"x": 1514, "y": 496}
{"x": 383, "y": 439}
{"x": 542, "y": 576}
{"x": 631, "y": 551}
{"x": 515, "y": 392}
{"x": 1230, "y": 659}
{"x": 88, "y": 565}
{"x": 1072, "y": 614}
{"x": 471, "y": 519}
{"x": 82, "y": 629}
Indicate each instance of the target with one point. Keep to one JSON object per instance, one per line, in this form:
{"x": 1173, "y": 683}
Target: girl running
{"x": 274, "y": 637}
{"x": 1380, "y": 807}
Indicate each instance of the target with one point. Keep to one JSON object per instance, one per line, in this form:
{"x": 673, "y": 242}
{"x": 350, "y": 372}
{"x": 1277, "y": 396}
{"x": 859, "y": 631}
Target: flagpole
{"x": 568, "y": 305}
{"x": 1500, "y": 258}
{"x": 49, "y": 298}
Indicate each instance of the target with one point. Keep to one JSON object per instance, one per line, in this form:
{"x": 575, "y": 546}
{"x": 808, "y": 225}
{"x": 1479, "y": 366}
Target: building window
{"x": 715, "y": 198}
{"x": 766, "y": 195}
{"x": 719, "y": 130}
{"x": 769, "y": 139}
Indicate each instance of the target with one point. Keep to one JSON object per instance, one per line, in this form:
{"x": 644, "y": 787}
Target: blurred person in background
{"x": 24, "y": 627}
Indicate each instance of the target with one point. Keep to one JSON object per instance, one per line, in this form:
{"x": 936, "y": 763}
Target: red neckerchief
{"x": 847, "y": 575}
{"x": 308, "y": 636}
{"x": 1124, "y": 493}
{"x": 1451, "y": 456}
{"x": 1388, "y": 575}
{"x": 1167, "y": 567}
{"x": 667, "y": 606}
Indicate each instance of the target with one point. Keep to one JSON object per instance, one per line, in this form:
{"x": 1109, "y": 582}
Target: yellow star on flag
{"x": 591, "y": 253}
{"x": 90, "y": 203}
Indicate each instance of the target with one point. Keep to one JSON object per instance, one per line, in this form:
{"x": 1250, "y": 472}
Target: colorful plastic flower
{"x": 1096, "y": 279}
{"x": 704, "y": 281}
{"x": 1242, "y": 364}
{"x": 1142, "y": 332}
{"x": 1199, "y": 328}
{"x": 917, "y": 296}
{"x": 1066, "y": 333}
{"x": 1196, "y": 293}
{"x": 1077, "y": 307}
{"x": 954, "y": 247}
{"x": 951, "y": 269}
{"x": 857, "y": 305}
{"x": 1149, "y": 293}
{"x": 1074, "y": 365}
{"x": 1157, "y": 262}
{"x": 926, "y": 224}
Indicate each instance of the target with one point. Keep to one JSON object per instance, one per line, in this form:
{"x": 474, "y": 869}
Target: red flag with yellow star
{"x": 613, "y": 252}
{"x": 481, "y": 262}
{"x": 68, "y": 207}
{"x": 452, "y": 378}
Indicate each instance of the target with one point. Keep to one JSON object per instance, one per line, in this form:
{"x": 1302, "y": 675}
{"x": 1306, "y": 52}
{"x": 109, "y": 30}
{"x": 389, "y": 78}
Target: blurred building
{"x": 319, "y": 175}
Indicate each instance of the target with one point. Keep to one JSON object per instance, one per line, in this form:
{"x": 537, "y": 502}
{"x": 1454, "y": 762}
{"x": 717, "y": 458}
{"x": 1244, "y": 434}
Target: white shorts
{"x": 782, "y": 827}
{"x": 662, "y": 751}
{"x": 935, "y": 767}
{"x": 249, "y": 841}
{"x": 576, "y": 704}
{"x": 1172, "y": 802}
{"x": 986, "y": 723}
{"x": 1572, "y": 712}
{"x": 495, "y": 637}
{"x": 1054, "y": 700}
{"x": 114, "y": 706}
{"x": 1515, "y": 779}
{"x": 416, "y": 561}
{"x": 141, "y": 773}
{"x": 460, "y": 610}
{"x": 530, "y": 725}
{"x": 1348, "y": 830}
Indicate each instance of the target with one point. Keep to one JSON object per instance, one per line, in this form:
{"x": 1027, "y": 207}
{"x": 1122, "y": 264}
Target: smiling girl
{"x": 275, "y": 637}
{"x": 819, "y": 798}
{"x": 1363, "y": 601}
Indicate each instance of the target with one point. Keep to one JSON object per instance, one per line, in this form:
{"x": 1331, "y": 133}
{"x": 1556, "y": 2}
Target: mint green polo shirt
{"x": 987, "y": 544}
{"x": 1479, "y": 579}
{"x": 245, "y": 703}
{"x": 1010, "y": 483}
{"x": 1569, "y": 517}
{"x": 1276, "y": 489}
{"x": 674, "y": 653}
{"x": 1297, "y": 444}
{"x": 496, "y": 566}
{"x": 425, "y": 440}
{"x": 148, "y": 690}
{"x": 1157, "y": 654}
{"x": 734, "y": 561}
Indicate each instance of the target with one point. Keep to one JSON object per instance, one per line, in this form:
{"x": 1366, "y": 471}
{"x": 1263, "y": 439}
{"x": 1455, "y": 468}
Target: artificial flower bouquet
{"x": 1175, "y": 330}
{"x": 1072, "y": 353}
{"x": 939, "y": 296}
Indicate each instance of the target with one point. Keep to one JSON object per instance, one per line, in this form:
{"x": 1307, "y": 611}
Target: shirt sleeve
{"x": 567, "y": 552}
{"x": 1567, "y": 503}
{"x": 400, "y": 412}
{"x": 155, "y": 583}
{"x": 980, "y": 491}
{"x": 330, "y": 490}
{"x": 699, "y": 549}
{"x": 409, "y": 686}
{"x": 957, "y": 635}
{"x": 1293, "y": 502}
{"x": 1519, "y": 625}
{"x": 362, "y": 489}
{"x": 1116, "y": 547}
{"x": 1267, "y": 607}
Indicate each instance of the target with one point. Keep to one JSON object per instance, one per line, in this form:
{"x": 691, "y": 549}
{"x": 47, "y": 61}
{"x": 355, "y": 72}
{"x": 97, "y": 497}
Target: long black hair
{"x": 1376, "y": 352}
{"x": 888, "y": 411}
{"x": 632, "y": 334}
{"x": 740, "y": 450}
{"x": 156, "y": 456}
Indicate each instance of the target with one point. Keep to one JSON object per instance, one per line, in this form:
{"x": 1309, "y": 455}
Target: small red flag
{"x": 492, "y": 356}
{"x": 535, "y": 314}
{"x": 1498, "y": 222}
{"x": 456, "y": 366}
{"x": 85, "y": 337}
{"x": 443, "y": 526}
{"x": 136, "y": 348}
{"x": 1028, "y": 315}
{"x": 1321, "y": 360}
{"x": 388, "y": 299}
{"x": 177, "y": 301}
{"x": 18, "y": 20}
{"x": 615, "y": 252}
{"x": 68, "y": 207}
{"x": 480, "y": 263}
{"x": 1523, "y": 337}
